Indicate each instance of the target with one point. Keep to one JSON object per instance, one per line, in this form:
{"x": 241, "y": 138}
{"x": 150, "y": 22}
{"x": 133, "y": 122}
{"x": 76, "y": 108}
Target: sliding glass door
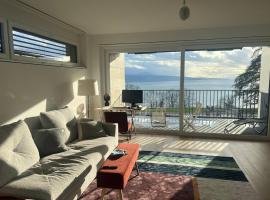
{"x": 157, "y": 74}
{"x": 221, "y": 92}
{"x": 226, "y": 91}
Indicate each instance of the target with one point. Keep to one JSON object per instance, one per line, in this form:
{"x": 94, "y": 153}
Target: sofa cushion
{"x": 50, "y": 141}
{"x": 18, "y": 151}
{"x": 91, "y": 130}
{"x": 55, "y": 175}
{"x": 62, "y": 118}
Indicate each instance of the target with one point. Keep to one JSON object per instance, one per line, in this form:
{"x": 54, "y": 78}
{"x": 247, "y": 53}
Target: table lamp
{"x": 89, "y": 88}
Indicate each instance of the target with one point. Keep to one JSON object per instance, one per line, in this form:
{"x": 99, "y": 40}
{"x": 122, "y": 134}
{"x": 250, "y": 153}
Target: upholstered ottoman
{"x": 118, "y": 178}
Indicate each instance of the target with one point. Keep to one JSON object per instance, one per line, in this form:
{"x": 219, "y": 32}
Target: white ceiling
{"x": 131, "y": 16}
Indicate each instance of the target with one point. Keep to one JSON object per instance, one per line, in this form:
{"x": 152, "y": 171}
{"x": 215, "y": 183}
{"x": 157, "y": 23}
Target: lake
{"x": 204, "y": 84}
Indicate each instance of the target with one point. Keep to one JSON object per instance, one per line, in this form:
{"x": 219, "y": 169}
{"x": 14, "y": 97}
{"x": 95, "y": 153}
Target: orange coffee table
{"x": 118, "y": 178}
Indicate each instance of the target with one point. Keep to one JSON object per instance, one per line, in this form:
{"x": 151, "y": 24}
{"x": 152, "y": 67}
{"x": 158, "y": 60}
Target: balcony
{"x": 218, "y": 109}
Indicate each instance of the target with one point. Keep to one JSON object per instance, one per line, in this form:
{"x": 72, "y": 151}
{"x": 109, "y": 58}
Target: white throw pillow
{"x": 18, "y": 151}
{"x": 62, "y": 118}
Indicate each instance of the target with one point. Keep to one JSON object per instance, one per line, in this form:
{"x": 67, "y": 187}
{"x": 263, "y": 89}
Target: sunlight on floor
{"x": 176, "y": 144}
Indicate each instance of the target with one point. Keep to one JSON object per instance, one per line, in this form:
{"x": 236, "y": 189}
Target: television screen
{"x": 132, "y": 96}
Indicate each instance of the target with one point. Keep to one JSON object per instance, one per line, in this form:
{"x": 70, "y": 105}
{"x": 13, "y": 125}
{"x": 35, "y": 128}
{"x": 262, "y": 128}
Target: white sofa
{"x": 64, "y": 175}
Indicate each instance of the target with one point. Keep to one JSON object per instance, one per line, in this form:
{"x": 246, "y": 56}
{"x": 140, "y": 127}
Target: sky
{"x": 199, "y": 64}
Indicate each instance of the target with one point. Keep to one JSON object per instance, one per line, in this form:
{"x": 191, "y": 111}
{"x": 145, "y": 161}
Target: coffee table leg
{"x": 137, "y": 168}
{"x": 103, "y": 193}
{"x": 120, "y": 192}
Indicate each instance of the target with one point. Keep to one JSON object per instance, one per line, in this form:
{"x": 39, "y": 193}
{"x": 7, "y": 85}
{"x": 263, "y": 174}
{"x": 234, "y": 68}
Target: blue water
{"x": 205, "y": 84}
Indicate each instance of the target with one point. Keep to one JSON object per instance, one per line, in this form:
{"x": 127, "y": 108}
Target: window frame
{"x": 5, "y": 54}
{"x": 31, "y": 60}
{"x": 182, "y": 46}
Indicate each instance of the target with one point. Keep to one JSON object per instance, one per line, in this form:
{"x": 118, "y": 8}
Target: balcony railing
{"x": 227, "y": 104}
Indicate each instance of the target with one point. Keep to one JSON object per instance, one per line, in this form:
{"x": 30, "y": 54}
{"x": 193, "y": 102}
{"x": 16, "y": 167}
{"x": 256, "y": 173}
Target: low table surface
{"x": 118, "y": 178}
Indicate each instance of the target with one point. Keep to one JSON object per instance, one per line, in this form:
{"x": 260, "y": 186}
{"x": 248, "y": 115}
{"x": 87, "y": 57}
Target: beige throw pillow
{"x": 18, "y": 151}
{"x": 91, "y": 130}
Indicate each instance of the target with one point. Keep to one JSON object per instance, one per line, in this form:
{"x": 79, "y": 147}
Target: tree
{"x": 132, "y": 87}
{"x": 249, "y": 80}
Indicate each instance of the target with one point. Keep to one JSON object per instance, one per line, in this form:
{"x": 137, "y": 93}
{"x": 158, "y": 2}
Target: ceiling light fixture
{"x": 184, "y": 11}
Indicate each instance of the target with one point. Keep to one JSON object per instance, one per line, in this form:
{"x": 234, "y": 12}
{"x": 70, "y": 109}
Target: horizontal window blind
{"x": 37, "y": 46}
{"x": 1, "y": 39}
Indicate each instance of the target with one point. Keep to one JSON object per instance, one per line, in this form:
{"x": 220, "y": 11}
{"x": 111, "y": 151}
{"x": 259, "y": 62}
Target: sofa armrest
{"x": 111, "y": 129}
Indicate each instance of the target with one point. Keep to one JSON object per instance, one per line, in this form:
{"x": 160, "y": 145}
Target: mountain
{"x": 150, "y": 78}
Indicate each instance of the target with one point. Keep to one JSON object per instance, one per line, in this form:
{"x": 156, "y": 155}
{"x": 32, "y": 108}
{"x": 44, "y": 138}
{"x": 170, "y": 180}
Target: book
{"x": 119, "y": 152}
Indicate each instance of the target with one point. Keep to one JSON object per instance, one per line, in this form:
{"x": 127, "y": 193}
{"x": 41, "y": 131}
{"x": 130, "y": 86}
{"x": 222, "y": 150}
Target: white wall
{"x": 117, "y": 77}
{"x": 28, "y": 89}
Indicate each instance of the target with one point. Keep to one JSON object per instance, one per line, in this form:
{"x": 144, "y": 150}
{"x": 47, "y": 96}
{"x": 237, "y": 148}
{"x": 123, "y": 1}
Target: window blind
{"x": 37, "y": 46}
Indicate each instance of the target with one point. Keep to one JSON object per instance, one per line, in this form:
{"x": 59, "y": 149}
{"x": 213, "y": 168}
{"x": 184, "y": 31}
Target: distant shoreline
{"x": 192, "y": 84}
{"x": 158, "y": 78}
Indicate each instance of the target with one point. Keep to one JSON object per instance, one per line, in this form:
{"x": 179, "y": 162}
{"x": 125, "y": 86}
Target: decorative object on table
{"x": 88, "y": 88}
{"x": 184, "y": 11}
{"x": 117, "y": 153}
{"x": 107, "y": 99}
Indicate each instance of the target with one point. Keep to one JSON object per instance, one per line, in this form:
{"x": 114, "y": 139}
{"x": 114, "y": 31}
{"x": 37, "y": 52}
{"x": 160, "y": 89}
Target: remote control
{"x": 109, "y": 167}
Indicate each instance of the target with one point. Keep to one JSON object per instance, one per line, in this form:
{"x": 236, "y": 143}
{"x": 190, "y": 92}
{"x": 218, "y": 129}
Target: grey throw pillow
{"x": 91, "y": 130}
{"x": 50, "y": 141}
{"x": 18, "y": 151}
{"x": 62, "y": 118}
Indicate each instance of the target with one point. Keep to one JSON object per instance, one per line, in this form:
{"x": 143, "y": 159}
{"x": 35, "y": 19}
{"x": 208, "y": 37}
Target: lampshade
{"x": 88, "y": 87}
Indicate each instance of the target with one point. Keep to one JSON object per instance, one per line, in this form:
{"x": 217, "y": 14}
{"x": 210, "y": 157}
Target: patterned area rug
{"x": 218, "y": 178}
{"x": 191, "y": 165}
{"x": 166, "y": 175}
{"x": 150, "y": 186}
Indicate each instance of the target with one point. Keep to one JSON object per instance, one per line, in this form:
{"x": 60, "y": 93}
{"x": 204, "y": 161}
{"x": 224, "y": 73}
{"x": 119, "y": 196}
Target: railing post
{"x": 182, "y": 93}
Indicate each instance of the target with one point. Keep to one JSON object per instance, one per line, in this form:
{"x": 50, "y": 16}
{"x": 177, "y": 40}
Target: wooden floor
{"x": 252, "y": 157}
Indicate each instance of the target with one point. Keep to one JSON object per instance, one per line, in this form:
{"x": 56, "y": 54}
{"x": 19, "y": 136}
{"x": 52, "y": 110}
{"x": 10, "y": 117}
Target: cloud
{"x": 135, "y": 66}
{"x": 155, "y": 63}
{"x": 168, "y": 63}
{"x": 230, "y": 58}
{"x": 212, "y": 70}
{"x": 207, "y": 64}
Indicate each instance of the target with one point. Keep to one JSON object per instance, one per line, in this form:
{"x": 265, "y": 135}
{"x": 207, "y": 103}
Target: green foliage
{"x": 250, "y": 79}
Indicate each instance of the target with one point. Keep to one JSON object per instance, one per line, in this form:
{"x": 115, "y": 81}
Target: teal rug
{"x": 204, "y": 166}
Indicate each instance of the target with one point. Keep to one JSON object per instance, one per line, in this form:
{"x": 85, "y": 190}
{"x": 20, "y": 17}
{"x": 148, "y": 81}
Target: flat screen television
{"x": 132, "y": 96}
